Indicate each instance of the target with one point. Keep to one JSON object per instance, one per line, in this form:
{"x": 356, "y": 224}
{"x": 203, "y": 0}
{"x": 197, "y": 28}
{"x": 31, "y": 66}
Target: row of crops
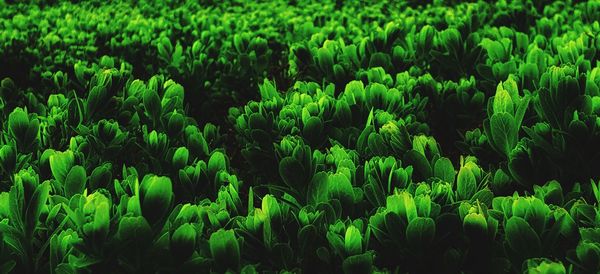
{"x": 298, "y": 136}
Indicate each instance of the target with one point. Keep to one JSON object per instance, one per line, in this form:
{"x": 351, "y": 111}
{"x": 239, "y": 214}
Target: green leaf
{"x": 216, "y": 163}
{"x": 504, "y": 132}
{"x": 421, "y": 165}
{"x": 370, "y": 119}
{"x": 60, "y": 165}
{"x": 156, "y": 195}
{"x": 225, "y": 250}
{"x": 75, "y": 181}
{"x": 502, "y": 101}
{"x": 35, "y": 206}
{"x": 183, "y": 241}
{"x": 180, "y": 158}
{"x": 98, "y": 228}
{"x": 8, "y": 158}
{"x": 538, "y": 265}
{"x": 291, "y": 171}
{"x": 522, "y": 239}
{"x": 325, "y": 60}
{"x": 588, "y": 254}
{"x": 452, "y": 41}
{"x": 339, "y": 187}
{"x": 18, "y": 123}
{"x": 313, "y": 130}
{"x": 444, "y": 170}
{"x": 466, "y": 184}
{"x": 495, "y": 49}
{"x": 358, "y": 264}
{"x": 521, "y": 109}
{"x": 425, "y": 38}
{"x": 135, "y": 229}
{"x": 402, "y": 204}
{"x": 101, "y": 176}
{"x": 271, "y": 208}
{"x": 152, "y": 104}
{"x": 318, "y": 188}
{"x": 7, "y": 267}
{"x": 420, "y": 232}
{"x": 484, "y": 196}
{"x": 173, "y": 93}
{"x": 353, "y": 241}
{"x": 475, "y": 226}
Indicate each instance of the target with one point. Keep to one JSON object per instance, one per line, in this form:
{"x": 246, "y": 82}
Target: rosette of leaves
{"x": 256, "y": 130}
{"x": 395, "y": 97}
{"x": 500, "y": 63}
{"x": 327, "y": 59}
{"x": 405, "y": 230}
{"x": 376, "y": 75}
{"x": 384, "y": 136}
{"x": 544, "y": 265}
{"x": 10, "y": 162}
{"x": 349, "y": 242}
{"x": 251, "y": 56}
{"x": 396, "y": 135}
{"x": 171, "y": 56}
{"x": 517, "y": 15}
{"x": 195, "y": 142}
{"x": 313, "y": 224}
{"x": 336, "y": 188}
{"x": 575, "y": 52}
{"x": 480, "y": 230}
{"x": 296, "y": 164}
{"x": 526, "y": 157}
{"x": 12, "y": 96}
{"x": 91, "y": 216}
{"x": 532, "y": 229}
{"x": 200, "y": 178}
{"x": 312, "y": 117}
{"x": 156, "y": 144}
{"x": 558, "y": 138}
{"x": 160, "y": 111}
{"x": 382, "y": 177}
{"x": 456, "y": 54}
{"x": 23, "y": 127}
{"x": 107, "y": 138}
{"x": 422, "y": 157}
{"x": 183, "y": 242}
{"x": 559, "y": 95}
{"x": 583, "y": 213}
{"x": 506, "y": 111}
{"x": 471, "y": 182}
{"x": 101, "y": 90}
{"x": 452, "y": 106}
{"x": 266, "y": 229}
{"x": 532, "y": 68}
{"x": 551, "y": 193}
{"x": 586, "y": 254}
{"x": 201, "y": 61}
{"x": 193, "y": 180}
{"x": 423, "y": 40}
{"x": 23, "y": 221}
{"x": 69, "y": 177}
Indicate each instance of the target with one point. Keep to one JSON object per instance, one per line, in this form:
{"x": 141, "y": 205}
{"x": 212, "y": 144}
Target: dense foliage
{"x": 149, "y": 136}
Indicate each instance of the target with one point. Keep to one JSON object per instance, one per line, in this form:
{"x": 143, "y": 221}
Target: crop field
{"x": 299, "y": 136}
